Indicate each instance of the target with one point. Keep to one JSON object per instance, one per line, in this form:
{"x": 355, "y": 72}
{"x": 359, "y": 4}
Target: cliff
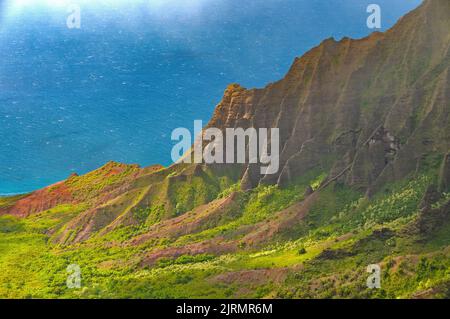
{"x": 371, "y": 110}
{"x": 364, "y": 179}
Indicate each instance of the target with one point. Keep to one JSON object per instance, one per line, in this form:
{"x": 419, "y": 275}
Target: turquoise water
{"x": 73, "y": 99}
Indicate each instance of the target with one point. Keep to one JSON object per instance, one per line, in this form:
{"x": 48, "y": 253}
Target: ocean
{"x": 114, "y": 89}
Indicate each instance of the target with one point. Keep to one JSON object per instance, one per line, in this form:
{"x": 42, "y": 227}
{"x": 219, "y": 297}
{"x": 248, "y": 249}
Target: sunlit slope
{"x": 365, "y": 180}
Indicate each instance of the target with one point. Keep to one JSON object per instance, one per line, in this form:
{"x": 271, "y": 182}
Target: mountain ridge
{"x": 364, "y": 178}
{"x": 330, "y": 130}
{"x": 306, "y": 102}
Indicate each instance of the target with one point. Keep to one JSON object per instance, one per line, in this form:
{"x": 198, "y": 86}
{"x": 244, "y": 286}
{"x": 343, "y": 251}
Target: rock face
{"x": 374, "y": 107}
{"x": 444, "y": 175}
{"x": 430, "y": 219}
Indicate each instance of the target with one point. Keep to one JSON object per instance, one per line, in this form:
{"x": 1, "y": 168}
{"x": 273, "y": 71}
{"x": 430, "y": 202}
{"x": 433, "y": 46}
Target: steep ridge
{"x": 364, "y": 179}
{"x": 95, "y": 187}
{"x": 376, "y": 106}
{"x": 366, "y": 111}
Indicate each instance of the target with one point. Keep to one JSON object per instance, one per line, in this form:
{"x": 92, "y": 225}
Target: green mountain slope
{"x": 364, "y": 179}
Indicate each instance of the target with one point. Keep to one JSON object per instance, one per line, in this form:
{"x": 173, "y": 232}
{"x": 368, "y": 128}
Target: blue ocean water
{"x": 73, "y": 99}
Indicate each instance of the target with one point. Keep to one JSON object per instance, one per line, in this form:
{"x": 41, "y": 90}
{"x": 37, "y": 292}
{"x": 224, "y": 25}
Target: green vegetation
{"x": 92, "y": 183}
{"x": 322, "y": 255}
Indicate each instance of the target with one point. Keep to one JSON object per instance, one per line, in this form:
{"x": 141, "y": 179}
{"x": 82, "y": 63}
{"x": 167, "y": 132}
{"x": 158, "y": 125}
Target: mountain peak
{"x": 341, "y": 94}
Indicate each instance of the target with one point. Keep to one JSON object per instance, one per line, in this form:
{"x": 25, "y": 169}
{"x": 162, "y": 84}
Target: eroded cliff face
{"x": 366, "y": 111}
{"x": 369, "y": 110}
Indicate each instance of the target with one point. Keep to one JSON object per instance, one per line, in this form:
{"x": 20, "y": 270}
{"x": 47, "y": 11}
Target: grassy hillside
{"x": 325, "y": 254}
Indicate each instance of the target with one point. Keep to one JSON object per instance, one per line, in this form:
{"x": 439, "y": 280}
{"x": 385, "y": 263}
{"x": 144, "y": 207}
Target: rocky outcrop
{"x": 378, "y": 104}
{"x": 430, "y": 219}
{"x": 444, "y": 174}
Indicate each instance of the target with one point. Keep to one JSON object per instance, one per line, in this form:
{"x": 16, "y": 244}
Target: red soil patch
{"x": 40, "y": 200}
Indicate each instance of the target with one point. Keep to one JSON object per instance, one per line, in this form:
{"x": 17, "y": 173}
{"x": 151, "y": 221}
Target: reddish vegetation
{"x": 41, "y": 200}
{"x": 76, "y": 189}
